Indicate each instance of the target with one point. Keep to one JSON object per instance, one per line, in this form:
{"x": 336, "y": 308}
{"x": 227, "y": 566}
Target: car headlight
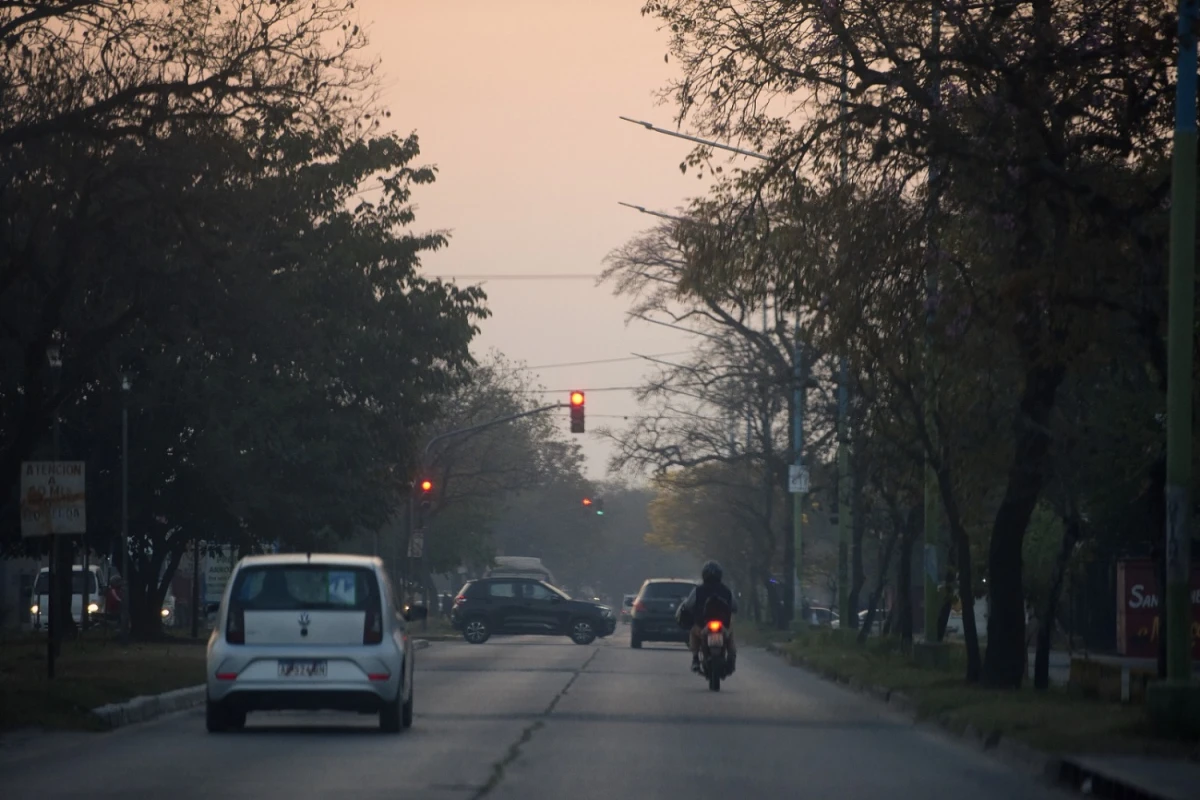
{"x": 93, "y": 608}
{"x": 166, "y": 612}
{"x": 33, "y": 609}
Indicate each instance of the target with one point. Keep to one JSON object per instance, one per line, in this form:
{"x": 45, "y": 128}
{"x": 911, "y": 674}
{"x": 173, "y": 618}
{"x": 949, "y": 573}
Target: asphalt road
{"x": 539, "y": 718}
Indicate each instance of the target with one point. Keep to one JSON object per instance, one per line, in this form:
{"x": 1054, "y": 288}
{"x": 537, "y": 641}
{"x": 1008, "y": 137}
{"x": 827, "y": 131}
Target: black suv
{"x": 653, "y": 616}
{"x": 524, "y": 605}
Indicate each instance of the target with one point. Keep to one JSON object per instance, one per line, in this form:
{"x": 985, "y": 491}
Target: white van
{"x": 39, "y": 600}
{"x": 520, "y": 567}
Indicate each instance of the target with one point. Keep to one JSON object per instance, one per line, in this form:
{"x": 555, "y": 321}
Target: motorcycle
{"x": 715, "y": 663}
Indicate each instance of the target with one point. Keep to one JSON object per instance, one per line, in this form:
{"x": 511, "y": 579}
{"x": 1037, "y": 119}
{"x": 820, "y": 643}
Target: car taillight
{"x": 458, "y": 601}
{"x": 714, "y": 626}
{"x": 235, "y": 628}
{"x": 373, "y": 627}
{"x": 639, "y": 606}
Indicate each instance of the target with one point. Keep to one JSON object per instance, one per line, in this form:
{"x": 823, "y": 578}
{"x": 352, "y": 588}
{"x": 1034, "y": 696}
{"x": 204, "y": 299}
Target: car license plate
{"x": 302, "y": 669}
{"x": 716, "y": 640}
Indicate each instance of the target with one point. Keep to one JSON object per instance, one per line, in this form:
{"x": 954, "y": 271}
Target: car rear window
{"x": 305, "y": 587}
{"x": 668, "y": 589}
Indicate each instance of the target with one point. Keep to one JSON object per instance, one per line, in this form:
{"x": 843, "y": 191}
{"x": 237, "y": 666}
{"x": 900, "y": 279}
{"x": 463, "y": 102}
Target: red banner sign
{"x": 1138, "y": 599}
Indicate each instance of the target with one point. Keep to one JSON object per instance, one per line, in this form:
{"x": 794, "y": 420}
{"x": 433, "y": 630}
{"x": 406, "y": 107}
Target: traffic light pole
{"x": 1174, "y": 704}
{"x": 441, "y": 437}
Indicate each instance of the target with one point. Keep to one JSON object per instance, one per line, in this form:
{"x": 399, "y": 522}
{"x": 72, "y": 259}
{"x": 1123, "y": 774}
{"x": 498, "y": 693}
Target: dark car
{"x": 525, "y": 606}
{"x": 653, "y": 616}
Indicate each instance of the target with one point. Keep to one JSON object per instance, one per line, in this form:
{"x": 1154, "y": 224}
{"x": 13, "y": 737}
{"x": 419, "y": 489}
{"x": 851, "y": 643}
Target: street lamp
{"x": 126, "y": 386}
{"x": 799, "y": 378}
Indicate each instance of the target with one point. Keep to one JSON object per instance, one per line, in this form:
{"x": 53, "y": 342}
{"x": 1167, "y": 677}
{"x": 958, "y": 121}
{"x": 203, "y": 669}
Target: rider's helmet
{"x": 711, "y": 572}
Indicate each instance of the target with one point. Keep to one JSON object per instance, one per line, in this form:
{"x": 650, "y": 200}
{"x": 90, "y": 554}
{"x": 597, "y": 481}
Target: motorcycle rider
{"x": 710, "y": 588}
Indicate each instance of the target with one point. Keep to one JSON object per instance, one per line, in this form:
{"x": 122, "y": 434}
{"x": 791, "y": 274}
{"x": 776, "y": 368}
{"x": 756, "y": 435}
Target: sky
{"x": 516, "y": 102}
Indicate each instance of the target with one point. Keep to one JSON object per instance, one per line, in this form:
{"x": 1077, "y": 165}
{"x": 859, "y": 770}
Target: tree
{"x": 98, "y": 97}
{"x": 1038, "y": 106}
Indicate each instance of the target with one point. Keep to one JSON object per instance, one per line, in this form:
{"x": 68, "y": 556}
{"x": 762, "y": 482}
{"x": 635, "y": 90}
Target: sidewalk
{"x": 1132, "y": 777}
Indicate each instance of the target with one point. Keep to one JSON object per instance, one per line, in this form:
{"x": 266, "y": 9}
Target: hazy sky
{"x": 516, "y": 103}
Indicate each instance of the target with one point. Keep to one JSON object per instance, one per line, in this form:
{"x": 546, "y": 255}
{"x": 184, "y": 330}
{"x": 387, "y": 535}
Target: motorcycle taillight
{"x": 715, "y": 626}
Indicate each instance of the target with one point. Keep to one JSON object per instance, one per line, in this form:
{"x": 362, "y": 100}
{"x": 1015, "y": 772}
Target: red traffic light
{"x": 576, "y": 411}
{"x": 426, "y": 485}
{"x": 587, "y": 501}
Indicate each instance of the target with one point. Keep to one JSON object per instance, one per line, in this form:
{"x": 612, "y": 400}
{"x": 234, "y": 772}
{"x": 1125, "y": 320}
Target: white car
{"x": 310, "y": 632}
{"x": 89, "y": 586}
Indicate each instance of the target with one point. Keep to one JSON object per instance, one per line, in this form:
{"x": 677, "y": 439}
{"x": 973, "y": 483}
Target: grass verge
{"x": 1056, "y": 721}
{"x": 90, "y": 672}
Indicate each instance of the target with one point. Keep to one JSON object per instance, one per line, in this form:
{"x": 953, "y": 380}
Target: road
{"x": 540, "y": 718}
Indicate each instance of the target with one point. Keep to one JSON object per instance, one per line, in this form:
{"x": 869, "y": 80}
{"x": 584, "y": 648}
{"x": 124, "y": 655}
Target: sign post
{"x": 53, "y": 502}
{"x": 52, "y": 498}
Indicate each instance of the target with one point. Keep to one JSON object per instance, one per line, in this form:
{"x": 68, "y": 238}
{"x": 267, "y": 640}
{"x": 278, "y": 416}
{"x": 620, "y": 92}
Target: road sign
{"x": 52, "y": 498}
{"x": 416, "y": 545}
{"x": 797, "y": 479}
{"x": 218, "y": 566}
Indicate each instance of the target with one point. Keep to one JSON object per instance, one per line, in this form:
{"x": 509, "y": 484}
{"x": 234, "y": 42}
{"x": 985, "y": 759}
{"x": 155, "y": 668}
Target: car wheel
{"x": 219, "y": 718}
{"x": 476, "y": 630}
{"x": 582, "y": 632}
{"x": 406, "y": 712}
{"x": 391, "y": 716}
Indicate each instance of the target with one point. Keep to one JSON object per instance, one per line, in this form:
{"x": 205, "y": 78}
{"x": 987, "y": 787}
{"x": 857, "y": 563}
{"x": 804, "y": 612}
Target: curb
{"x": 1063, "y": 772}
{"x": 147, "y": 707}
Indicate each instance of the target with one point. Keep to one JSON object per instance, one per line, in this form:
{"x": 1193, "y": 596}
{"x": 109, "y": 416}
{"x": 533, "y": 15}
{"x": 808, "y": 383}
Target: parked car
{"x": 876, "y": 624}
{"x": 653, "y": 615}
{"x": 821, "y": 617}
{"x": 526, "y": 606}
{"x": 310, "y": 632}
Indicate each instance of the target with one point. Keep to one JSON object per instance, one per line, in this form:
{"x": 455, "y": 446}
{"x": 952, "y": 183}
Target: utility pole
{"x": 53, "y": 619}
{"x": 1174, "y": 705}
{"x": 845, "y": 480}
{"x": 800, "y": 384}
{"x": 126, "y": 593}
{"x": 932, "y": 504}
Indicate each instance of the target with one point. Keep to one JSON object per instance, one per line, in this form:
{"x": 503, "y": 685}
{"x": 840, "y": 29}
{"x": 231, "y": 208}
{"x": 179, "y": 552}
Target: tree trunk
{"x": 1041, "y": 663}
{"x": 966, "y": 593}
{"x": 1155, "y": 498}
{"x": 904, "y": 581}
{"x": 1006, "y": 653}
{"x": 858, "y": 576}
{"x": 885, "y": 564}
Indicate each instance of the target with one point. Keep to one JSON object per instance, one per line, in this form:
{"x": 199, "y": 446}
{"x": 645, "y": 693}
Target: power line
{"x": 521, "y": 276}
{"x": 606, "y": 360}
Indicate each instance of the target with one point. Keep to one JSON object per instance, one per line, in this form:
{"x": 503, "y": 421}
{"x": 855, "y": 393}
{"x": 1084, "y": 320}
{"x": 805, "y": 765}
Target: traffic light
{"x": 426, "y": 494}
{"x": 599, "y": 506}
{"x": 587, "y": 501}
{"x": 576, "y": 412}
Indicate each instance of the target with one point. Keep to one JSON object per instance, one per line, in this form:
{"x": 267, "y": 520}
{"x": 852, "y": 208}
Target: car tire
{"x": 219, "y": 718}
{"x": 582, "y": 631}
{"x": 406, "y": 711}
{"x": 391, "y": 716}
{"x": 476, "y": 630}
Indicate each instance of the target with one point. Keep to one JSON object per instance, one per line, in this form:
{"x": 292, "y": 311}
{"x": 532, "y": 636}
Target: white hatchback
{"x": 310, "y": 632}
